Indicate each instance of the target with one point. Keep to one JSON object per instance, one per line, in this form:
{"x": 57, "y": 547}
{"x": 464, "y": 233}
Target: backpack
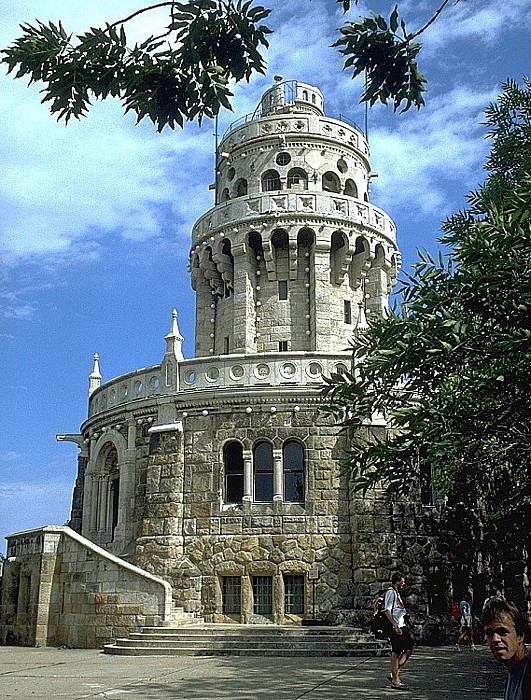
{"x": 380, "y": 625}
{"x": 455, "y": 611}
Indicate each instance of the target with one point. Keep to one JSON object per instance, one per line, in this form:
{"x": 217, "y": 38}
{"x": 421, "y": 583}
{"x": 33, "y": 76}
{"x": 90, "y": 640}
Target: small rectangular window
{"x": 294, "y": 595}
{"x": 347, "y": 311}
{"x": 262, "y": 595}
{"x": 226, "y": 345}
{"x": 282, "y": 290}
{"x": 283, "y": 346}
{"x": 232, "y": 595}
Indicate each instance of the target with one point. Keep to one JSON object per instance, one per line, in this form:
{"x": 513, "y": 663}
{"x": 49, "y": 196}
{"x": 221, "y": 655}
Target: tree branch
{"x": 410, "y": 37}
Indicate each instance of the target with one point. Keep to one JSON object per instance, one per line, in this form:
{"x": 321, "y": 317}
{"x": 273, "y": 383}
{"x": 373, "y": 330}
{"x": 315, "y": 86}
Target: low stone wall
{"x": 60, "y": 589}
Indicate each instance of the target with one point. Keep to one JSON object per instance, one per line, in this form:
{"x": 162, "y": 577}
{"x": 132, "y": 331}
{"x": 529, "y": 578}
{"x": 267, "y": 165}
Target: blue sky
{"x": 96, "y": 216}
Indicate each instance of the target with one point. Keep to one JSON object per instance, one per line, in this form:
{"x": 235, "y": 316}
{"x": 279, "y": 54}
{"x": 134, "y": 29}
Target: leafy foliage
{"x": 184, "y": 73}
{"x": 375, "y": 47}
{"x": 180, "y": 75}
{"x": 451, "y": 368}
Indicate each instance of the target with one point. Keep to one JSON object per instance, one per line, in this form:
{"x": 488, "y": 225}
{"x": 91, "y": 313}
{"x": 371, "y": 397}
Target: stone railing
{"x": 220, "y": 372}
{"x": 287, "y": 204}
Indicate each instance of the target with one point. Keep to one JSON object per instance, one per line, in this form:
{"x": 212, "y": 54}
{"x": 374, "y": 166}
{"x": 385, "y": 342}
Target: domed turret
{"x": 292, "y": 246}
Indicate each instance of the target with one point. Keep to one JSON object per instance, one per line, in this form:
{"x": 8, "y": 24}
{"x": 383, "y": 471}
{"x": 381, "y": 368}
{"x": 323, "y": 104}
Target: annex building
{"x": 212, "y": 486}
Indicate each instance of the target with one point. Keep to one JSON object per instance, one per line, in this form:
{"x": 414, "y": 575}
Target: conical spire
{"x": 174, "y": 339}
{"x": 95, "y": 375}
{"x": 361, "y": 323}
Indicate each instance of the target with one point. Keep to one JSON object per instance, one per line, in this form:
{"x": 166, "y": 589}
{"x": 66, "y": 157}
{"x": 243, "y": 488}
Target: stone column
{"x": 46, "y": 618}
{"x": 277, "y": 475}
{"x": 123, "y": 533}
{"x": 247, "y": 476}
{"x": 244, "y": 310}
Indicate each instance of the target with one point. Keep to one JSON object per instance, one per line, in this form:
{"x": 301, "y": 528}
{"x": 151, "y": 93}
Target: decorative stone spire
{"x": 174, "y": 339}
{"x": 361, "y": 323}
{"x": 95, "y": 375}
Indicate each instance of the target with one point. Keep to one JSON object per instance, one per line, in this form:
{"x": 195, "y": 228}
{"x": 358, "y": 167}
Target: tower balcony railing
{"x": 201, "y": 374}
{"x": 286, "y": 204}
{"x": 289, "y": 98}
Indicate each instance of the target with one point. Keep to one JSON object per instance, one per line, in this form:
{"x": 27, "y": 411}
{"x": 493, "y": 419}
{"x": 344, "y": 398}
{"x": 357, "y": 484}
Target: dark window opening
{"x": 262, "y": 595}
{"x": 263, "y": 472}
{"x": 297, "y": 176}
{"x": 347, "y": 311}
{"x": 293, "y": 467}
{"x": 233, "y": 466}
{"x": 282, "y": 290}
{"x": 232, "y": 595}
{"x": 241, "y": 188}
{"x": 270, "y": 181}
{"x": 294, "y": 595}
{"x": 283, "y": 346}
{"x": 115, "y": 497}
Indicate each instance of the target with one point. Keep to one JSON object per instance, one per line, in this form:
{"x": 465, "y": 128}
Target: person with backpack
{"x": 399, "y": 634}
{"x": 505, "y": 630}
{"x": 466, "y": 630}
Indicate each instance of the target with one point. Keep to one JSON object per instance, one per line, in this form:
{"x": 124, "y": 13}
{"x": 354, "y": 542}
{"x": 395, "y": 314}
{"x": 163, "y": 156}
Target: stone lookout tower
{"x": 219, "y": 473}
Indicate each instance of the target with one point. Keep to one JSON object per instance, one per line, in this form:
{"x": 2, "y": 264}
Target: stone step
{"x": 250, "y": 640}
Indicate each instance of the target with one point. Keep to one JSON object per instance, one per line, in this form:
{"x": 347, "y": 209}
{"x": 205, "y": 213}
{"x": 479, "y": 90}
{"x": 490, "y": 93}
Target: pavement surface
{"x": 433, "y": 673}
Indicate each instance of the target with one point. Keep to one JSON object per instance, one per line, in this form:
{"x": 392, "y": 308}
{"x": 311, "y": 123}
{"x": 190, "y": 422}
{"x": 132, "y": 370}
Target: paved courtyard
{"x": 433, "y": 674}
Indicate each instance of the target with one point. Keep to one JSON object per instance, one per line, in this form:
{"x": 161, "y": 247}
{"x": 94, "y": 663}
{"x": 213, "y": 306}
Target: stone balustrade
{"x": 224, "y": 371}
{"x": 284, "y": 205}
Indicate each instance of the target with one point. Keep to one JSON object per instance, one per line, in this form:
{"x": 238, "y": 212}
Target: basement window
{"x": 262, "y": 595}
{"x": 294, "y": 595}
{"x": 232, "y": 595}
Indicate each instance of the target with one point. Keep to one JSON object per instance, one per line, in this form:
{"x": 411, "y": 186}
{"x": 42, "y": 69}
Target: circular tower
{"x": 292, "y": 251}
{"x": 220, "y": 472}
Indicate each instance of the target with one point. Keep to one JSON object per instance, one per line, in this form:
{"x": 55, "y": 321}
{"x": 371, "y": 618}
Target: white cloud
{"x": 29, "y": 504}
{"x": 422, "y": 159}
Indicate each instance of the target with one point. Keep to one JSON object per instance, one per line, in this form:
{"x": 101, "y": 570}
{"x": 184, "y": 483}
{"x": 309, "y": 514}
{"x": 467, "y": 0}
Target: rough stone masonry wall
{"x": 271, "y": 539}
{"x": 65, "y": 591}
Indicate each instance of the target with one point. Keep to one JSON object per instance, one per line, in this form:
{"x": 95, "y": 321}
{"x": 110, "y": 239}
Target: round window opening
{"x": 314, "y": 369}
{"x": 231, "y": 173}
{"x": 342, "y": 165}
{"x": 212, "y": 374}
{"x": 190, "y": 377}
{"x": 283, "y": 158}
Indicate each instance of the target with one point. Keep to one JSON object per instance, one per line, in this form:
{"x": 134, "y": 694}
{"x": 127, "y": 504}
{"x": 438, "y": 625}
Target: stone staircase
{"x": 248, "y": 640}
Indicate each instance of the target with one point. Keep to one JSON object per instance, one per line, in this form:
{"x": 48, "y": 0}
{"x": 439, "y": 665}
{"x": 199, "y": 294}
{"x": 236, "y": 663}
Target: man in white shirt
{"x": 400, "y": 637}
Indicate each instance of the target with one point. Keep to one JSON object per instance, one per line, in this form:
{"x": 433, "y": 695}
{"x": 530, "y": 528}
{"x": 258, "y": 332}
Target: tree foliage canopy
{"x": 180, "y": 75}
{"x": 184, "y": 73}
{"x": 451, "y": 367}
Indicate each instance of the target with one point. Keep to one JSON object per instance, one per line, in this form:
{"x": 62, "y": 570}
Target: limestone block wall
{"x": 192, "y": 538}
{"x": 62, "y": 590}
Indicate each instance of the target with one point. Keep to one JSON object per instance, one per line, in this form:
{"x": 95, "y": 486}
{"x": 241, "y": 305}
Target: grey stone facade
{"x": 219, "y": 474}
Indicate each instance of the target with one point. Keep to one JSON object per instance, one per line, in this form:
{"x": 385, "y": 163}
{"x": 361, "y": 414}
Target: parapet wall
{"x": 59, "y": 589}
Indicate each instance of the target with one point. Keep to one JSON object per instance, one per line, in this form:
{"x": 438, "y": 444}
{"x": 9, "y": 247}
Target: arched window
{"x": 298, "y": 178}
{"x": 350, "y": 189}
{"x": 241, "y": 187}
{"x": 293, "y": 467}
{"x": 108, "y": 498}
{"x": 331, "y": 182}
{"x": 263, "y": 472}
{"x": 270, "y": 181}
{"x": 233, "y": 468}
{"x": 225, "y": 196}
